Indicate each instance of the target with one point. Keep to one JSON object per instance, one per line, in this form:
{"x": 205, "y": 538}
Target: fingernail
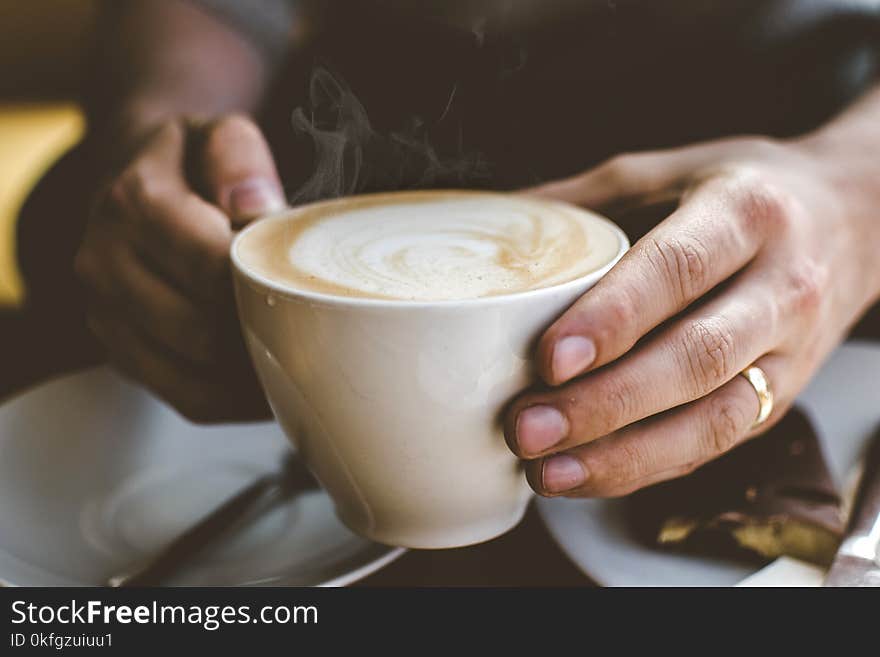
{"x": 571, "y": 356}
{"x": 561, "y": 473}
{"x": 540, "y": 427}
{"x": 255, "y": 197}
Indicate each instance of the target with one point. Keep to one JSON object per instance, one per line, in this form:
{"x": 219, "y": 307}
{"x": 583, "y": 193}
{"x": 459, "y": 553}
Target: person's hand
{"x": 767, "y": 260}
{"x": 155, "y": 263}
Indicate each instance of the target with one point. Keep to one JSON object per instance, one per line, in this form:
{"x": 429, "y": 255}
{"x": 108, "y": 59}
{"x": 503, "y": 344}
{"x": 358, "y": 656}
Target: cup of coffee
{"x": 390, "y": 330}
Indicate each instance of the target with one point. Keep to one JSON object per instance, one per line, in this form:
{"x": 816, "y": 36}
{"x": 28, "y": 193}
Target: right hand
{"x": 155, "y": 264}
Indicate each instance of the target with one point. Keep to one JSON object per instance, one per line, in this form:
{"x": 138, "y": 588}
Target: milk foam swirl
{"x": 429, "y": 246}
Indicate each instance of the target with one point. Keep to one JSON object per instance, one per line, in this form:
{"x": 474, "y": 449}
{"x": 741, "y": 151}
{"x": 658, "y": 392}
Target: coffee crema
{"x": 428, "y": 245}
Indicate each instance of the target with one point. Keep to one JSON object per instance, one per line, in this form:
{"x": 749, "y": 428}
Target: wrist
{"x": 849, "y": 171}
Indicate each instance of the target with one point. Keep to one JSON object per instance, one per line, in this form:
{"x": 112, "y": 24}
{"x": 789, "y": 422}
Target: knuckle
{"x": 761, "y": 204}
{"x": 683, "y": 262}
{"x": 144, "y": 185}
{"x": 630, "y": 465}
{"x": 709, "y": 353}
{"x": 620, "y": 321}
{"x": 805, "y": 285}
{"x": 172, "y": 129}
{"x": 617, "y": 169}
{"x": 614, "y": 411}
{"x": 620, "y": 310}
{"x": 117, "y": 194}
{"x": 725, "y": 424}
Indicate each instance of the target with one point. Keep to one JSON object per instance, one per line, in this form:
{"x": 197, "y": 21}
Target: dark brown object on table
{"x": 770, "y": 497}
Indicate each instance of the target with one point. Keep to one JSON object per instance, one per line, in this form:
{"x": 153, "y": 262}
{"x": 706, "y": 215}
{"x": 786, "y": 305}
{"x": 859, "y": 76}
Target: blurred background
{"x": 39, "y": 118}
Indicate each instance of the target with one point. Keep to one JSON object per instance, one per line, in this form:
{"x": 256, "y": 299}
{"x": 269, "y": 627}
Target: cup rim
{"x": 290, "y": 292}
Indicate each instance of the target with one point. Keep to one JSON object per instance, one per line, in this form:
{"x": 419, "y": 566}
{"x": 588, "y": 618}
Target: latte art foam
{"x": 429, "y": 246}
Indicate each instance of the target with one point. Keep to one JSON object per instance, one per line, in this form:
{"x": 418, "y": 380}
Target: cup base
{"x": 441, "y": 537}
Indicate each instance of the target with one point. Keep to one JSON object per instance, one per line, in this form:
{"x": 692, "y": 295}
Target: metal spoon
{"x": 242, "y": 508}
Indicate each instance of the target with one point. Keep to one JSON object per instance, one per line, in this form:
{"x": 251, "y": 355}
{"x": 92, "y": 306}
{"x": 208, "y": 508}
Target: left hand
{"x": 154, "y": 263}
{"x": 766, "y": 261}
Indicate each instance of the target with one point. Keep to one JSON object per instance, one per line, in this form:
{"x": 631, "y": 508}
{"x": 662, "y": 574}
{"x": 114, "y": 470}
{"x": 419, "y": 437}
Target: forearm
{"x": 160, "y": 59}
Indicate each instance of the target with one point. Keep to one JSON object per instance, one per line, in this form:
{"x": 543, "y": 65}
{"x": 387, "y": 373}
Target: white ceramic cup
{"x": 396, "y": 405}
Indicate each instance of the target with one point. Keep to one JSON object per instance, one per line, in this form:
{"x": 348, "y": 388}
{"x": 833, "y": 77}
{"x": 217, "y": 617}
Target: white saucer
{"x": 843, "y": 402}
{"x": 96, "y": 474}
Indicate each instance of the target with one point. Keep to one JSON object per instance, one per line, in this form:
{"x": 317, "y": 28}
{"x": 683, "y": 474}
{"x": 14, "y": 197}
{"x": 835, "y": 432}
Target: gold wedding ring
{"x": 755, "y": 375}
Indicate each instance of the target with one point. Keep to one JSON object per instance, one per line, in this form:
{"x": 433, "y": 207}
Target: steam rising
{"x": 350, "y": 156}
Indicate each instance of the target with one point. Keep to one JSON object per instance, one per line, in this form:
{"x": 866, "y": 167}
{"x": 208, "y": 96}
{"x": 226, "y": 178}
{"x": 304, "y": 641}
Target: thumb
{"x": 238, "y": 170}
{"x": 629, "y": 180}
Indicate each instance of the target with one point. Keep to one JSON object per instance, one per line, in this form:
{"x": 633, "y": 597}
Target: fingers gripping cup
{"x": 390, "y": 330}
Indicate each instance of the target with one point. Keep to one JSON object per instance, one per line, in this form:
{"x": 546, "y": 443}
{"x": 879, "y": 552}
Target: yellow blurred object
{"x": 32, "y": 137}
